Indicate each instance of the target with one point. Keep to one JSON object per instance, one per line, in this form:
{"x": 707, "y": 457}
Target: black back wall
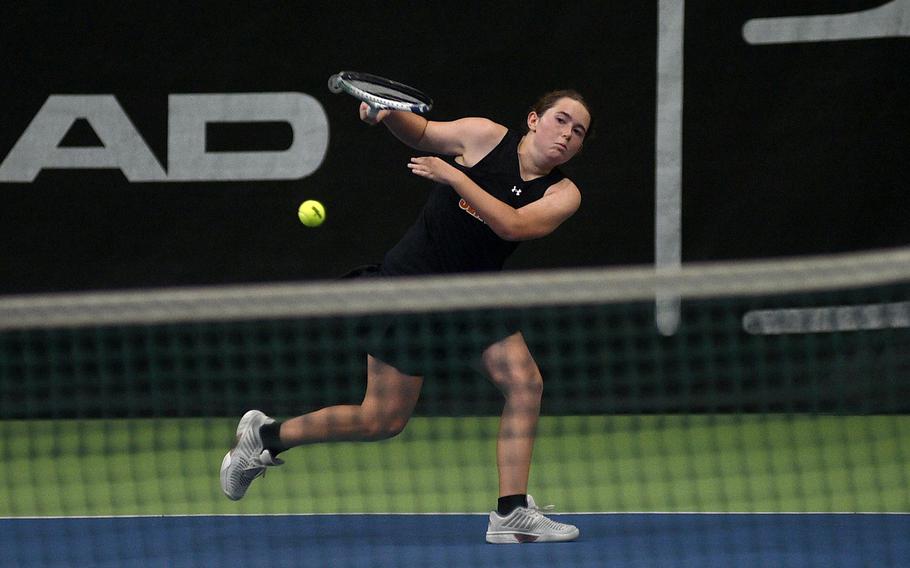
{"x": 788, "y": 149}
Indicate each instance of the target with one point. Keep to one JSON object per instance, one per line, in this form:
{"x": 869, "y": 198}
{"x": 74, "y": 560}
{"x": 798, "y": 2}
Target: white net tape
{"x": 414, "y": 295}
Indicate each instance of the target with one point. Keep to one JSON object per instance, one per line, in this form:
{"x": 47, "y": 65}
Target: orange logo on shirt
{"x": 466, "y": 207}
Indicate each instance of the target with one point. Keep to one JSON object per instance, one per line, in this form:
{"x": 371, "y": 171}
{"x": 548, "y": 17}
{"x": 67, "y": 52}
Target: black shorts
{"x": 431, "y": 343}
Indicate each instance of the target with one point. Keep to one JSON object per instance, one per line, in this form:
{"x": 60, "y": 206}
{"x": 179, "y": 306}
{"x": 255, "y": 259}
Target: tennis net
{"x": 785, "y": 389}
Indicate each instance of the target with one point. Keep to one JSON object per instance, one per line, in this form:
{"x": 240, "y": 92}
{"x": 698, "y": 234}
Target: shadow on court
{"x": 410, "y": 541}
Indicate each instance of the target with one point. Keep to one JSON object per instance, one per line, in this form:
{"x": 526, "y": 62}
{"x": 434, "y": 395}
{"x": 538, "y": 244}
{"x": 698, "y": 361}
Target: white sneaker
{"x": 247, "y": 459}
{"x": 527, "y": 524}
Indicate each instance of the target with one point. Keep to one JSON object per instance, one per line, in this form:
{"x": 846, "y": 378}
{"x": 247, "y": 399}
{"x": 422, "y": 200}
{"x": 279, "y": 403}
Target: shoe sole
{"x": 225, "y": 463}
{"x": 525, "y": 538}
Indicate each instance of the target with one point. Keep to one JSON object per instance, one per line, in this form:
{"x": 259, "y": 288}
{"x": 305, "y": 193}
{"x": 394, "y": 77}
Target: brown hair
{"x": 546, "y": 102}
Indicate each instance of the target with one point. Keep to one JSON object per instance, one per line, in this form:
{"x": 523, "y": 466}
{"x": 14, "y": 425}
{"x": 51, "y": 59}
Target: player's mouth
{"x": 562, "y": 146}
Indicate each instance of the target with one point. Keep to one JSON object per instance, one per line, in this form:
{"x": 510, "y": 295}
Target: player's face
{"x": 560, "y": 131}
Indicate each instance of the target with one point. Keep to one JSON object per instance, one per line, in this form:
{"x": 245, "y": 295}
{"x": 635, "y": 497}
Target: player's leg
{"x": 386, "y": 407}
{"x": 512, "y": 369}
{"x": 517, "y": 519}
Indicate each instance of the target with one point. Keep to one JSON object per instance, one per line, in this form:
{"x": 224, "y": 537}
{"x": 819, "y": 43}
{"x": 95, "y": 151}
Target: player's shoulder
{"x": 468, "y": 137}
{"x": 564, "y": 184}
{"x": 480, "y": 129}
{"x": 479, "y": 136}
{"x": 566, "y": 189}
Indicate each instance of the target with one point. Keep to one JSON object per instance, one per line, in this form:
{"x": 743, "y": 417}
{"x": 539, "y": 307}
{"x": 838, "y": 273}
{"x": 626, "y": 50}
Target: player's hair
{"x": 547, "y": 100}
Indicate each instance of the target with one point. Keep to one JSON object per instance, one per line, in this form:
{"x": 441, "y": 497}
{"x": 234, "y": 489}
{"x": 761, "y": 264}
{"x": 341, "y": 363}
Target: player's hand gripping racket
{"x": 380, "y": 93}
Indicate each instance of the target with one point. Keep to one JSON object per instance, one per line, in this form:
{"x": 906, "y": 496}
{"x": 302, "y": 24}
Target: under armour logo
{"x": 516, "y": 190}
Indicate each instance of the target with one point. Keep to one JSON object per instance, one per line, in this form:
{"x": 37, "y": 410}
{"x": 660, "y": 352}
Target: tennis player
{"x": 495, "y": 188}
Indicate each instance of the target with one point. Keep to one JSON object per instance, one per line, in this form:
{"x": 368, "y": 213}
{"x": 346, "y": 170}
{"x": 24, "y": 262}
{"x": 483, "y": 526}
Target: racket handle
{"x": 372, "y": 111}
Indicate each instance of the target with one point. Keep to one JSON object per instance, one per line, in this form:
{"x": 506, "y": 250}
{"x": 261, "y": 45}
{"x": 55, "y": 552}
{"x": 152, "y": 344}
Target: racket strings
{"x": 381, "y": 92}
{"x": 385, "y": 92}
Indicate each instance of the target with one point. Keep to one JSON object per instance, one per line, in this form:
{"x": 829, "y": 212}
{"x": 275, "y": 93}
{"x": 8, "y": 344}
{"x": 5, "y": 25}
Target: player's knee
{"x": 534, "y": 385}
{"x": 525, "y": 385}
{"x": 385, "y": 427}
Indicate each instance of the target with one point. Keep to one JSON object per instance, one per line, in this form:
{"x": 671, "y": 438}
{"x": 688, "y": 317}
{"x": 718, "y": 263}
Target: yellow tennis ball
{"x": 311, "y": 213}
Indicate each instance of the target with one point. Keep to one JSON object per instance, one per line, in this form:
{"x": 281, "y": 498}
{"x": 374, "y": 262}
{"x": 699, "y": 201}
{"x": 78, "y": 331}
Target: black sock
{"x": 509, "y": 503}
{"x": 271, "y": 437}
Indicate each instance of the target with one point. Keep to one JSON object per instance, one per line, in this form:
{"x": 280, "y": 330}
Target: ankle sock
{"x": 509, "y": 503}
{"x": 271, "y": 438}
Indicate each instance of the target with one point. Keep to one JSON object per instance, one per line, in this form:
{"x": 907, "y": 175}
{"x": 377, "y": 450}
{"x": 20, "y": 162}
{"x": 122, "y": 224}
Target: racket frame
{"x": 342, "y": 82}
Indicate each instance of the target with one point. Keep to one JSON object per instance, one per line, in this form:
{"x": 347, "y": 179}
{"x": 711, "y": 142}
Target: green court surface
{"x": 684, "y": 463}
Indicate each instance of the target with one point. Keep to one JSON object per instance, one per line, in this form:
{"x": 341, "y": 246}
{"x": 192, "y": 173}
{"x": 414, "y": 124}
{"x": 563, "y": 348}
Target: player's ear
{"x": 533, "y": 119}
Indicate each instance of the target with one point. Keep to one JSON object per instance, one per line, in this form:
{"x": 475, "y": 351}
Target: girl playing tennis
{"x": 499, "y": 188}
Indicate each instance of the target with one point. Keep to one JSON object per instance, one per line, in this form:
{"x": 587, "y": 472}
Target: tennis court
{"x": 668, "y": 463}
{"x": 143, "y": 493}
{"x": 408, "y": 541}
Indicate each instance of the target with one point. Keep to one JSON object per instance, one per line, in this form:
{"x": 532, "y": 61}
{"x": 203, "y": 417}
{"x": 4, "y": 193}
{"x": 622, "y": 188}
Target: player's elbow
{"x": 518, "y": 232}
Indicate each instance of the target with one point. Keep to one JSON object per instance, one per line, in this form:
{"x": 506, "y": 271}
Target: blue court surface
{"x": 405, "y": 541}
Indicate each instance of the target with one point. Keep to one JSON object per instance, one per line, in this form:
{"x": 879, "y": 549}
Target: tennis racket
{"x": 380, "y": 93}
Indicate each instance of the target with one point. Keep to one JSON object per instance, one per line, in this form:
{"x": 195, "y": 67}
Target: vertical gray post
{"x": 668, "y": 162}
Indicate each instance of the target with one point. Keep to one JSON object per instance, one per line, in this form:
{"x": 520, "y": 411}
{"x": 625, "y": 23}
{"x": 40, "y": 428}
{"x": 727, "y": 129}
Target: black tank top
{"x": 449, "y": 236}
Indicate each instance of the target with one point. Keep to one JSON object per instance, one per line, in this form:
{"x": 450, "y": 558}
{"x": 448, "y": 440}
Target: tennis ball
{"x": 311, "y": 213}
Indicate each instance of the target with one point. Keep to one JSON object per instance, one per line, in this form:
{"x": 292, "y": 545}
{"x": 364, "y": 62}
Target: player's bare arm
{"x": 468, "y": 138}
{"x": 532, "y": 221}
